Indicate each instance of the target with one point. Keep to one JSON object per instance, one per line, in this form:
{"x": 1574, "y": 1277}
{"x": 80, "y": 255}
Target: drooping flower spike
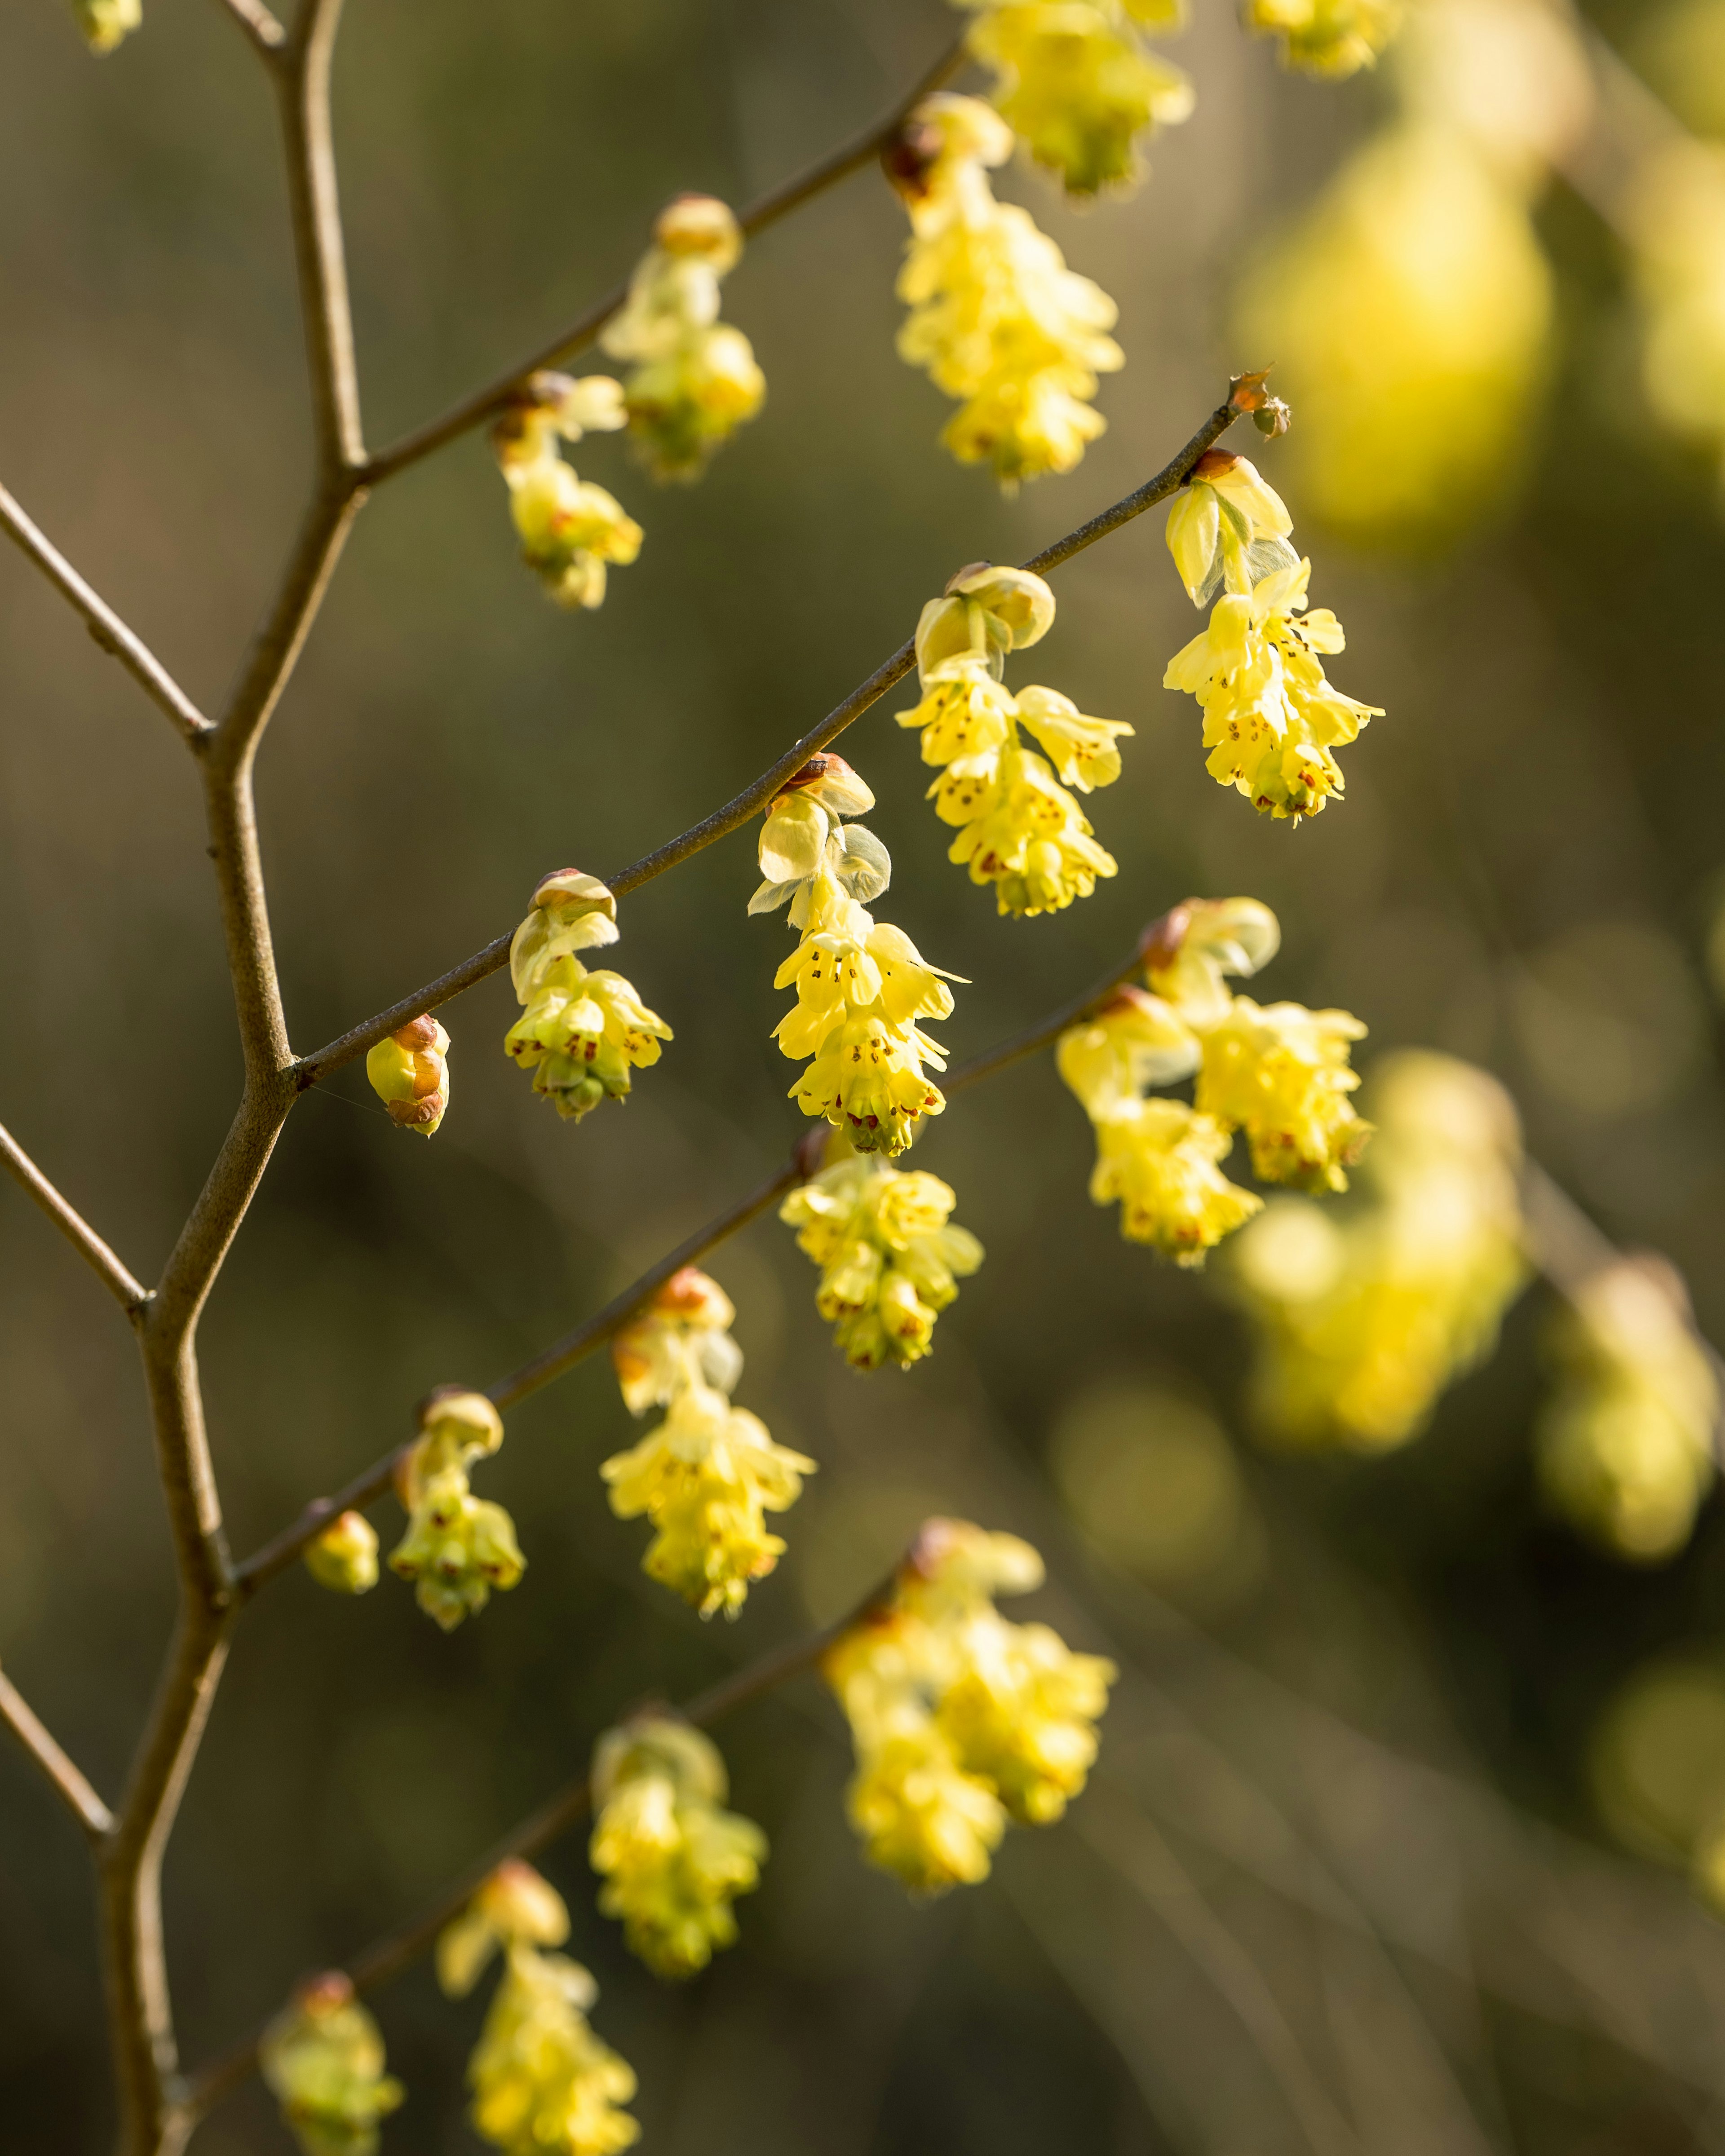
{"x": 580, "y": 1033}
{"x": 457, "y": 1547}
{"x": 569, "y": 529}
{"x": 322, "y": 2059}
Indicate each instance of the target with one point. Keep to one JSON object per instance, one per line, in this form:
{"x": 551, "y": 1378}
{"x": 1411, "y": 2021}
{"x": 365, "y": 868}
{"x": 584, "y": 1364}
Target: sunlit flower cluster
{"x": 105, "y": 23}
{"x": 672, "y": 1857}
{"x": 543, "y": 2084}
{"x": 1330, "y": 38}
{"x": 996, "y": 317}
{"x": 1627, "y": 1446}
{"x": 1410, "y": 307}
{"x": 891, "y": 1259}
{"x": 1272, "y": 719}
{"x": 693, "y": 379}
{"x": 1361, "y": 1322}
{"x": 862, "y": 986}
{"x": 569, "y": 528}
{"x": 1076, "y": 82}
{"x": 962, "y": 1720}
{"x": 344, "y": 1558}
{"x": 580, "y": 1033}
{"x": 322, "y": 2059}
{"x": 409, "y": 1073}
{"x": 457, "y": 1547}
{"x": 707, "y": 1475}
{"x": 1017, "y": 827}
{"x": 1278, "y": 1072}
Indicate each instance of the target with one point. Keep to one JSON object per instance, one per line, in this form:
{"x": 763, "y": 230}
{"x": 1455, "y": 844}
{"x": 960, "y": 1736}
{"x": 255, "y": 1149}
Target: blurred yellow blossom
{"x": 996, "y": 317}
{"x": 706, "y": 1476}
{"x": 672, "y": 1858}
{"x": 693, "y": 379}
{"x": 890, "y": 1259}
{"x": 344, "y": 1558}
{"x": 1626, "y": 1444}
{"x": 322, "y": 2058}
{"x": 1330, "y": 37}
{"x": 105, "y": 23}
{"x": 457, "y": 1547}
{"x": 569, "y": 529}
{"x": 580, "y": 1033}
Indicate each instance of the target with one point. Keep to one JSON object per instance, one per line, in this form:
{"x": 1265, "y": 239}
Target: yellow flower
{"x": 1198, "y": 944}
{"x": 1626, "y": 1447}
{"x": 1158, "y": 1158}
{"x": 1271, "y": 718}
{"x": 1077, "y": 85}
{"x": 682, "y": 1337}
{"x": 1329, "y": 38}
{"x": 457, "y": 1547}
{"x": 1280, "y": 1073}
{"x": 344, "y": 1558}
{"x": 996, "y": 317}
{"x": 1228, "y": 525}
{"x": 1023, "y": 1714}
{"x": 674, "y": 1859}
{"x": 890, "y": 1261}
{"x": 322, "y": 2058}
{"x": 514, "y": 1906}
{"x": 569, "y": 529}
{"x": 695, "y": 379}
{"x": 409, "y": 1073}
{"x": 105, "y": 23}
{"x": 1027, "y": 836}
{"x": 1134, "y": 1041}
{"x": 581, "y": 1033}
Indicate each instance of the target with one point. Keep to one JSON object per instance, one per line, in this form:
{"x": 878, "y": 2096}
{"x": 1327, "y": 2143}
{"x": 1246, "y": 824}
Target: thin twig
{"x": 104, "y": 625}
{"x": 67, "y": 1780}
{"x": 259, "y": 25}
{"x": 132, "y": 1294}
{"x": 475, "y": 410}
{"x": 386, "y": 1958}
{"x": 310, "y": 1069}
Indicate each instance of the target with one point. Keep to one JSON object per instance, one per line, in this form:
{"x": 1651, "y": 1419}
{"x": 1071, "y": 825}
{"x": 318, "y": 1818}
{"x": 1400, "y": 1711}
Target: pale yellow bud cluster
{"x": 409, "y": 1073}
{"x": 1411, "y": 306}
{"x": 1018, "y": 828}
{"x": 1279, "y": 1072}
{"x": 996, "y": 317}
{"x": 543, "y": 2084}
{"x": 862, "y": 986}
{"x": 890, "y": 1258}
{"x": 1362, "y": 1323}
{"x": 1270, "y": 717}
{"x": 580, "y": 1033}
{"x": 1330, "y": 38}
{"x": 962, "y": 1720}
{"x": 672, "y": 1857}
{"x": 569, "y": 528}
{"x": 457, "y": 1547}
{"x": 1077, "y": 83}
{"x": 693, "y": 379}
{"x": 707, "y": 1475}
{"x": 1627, "y": 1446}
{"x": 344, "y": 1558}
{"x": 105, "y": 23}
{"x": 322, "y": 2059}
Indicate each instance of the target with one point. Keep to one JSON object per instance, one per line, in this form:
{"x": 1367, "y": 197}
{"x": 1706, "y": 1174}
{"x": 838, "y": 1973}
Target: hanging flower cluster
{"x": 707, "y": 1475}
{"x": 890, "y": 1259}
{"x": 344, "y": 1558}
{"x": 1018, "y": 828}
{"x": 569, "y": 528}
{"x": 1076, "y": 82}
{"x": 580, "y": 1033}
{"x": 323, "y": 2060}
{"x": 996, "y": 317}
{"x": 1278, "y": 1072}
{"x": 1361, "y": 1322}
{"x": 1627, "y": 1445}
{"x": 861, "y": 986}
{"x": 1270, "y": 717}
{"x": 457, "y": 1546}
{"x": 105, "y": 23}
{"x": 1330, "y": 38}
{"x": 693, "y": 379}
{"x": 960, "y": 1719}
{"x": 672, "y": 1858}
{"x": 409, "y": 1073}
{"x": 543, "y": 2084}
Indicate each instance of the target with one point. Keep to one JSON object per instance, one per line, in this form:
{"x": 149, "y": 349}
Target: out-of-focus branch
{"x": 754, "y": 797}
{"x": 259, "y": 25}
{"x": 104, "y": 625}
{"x": 475, "y": 410}
{"x": 386, "y": 1958}
{"x": 132, "y": 1294}
{"x": 67, "y": 1780}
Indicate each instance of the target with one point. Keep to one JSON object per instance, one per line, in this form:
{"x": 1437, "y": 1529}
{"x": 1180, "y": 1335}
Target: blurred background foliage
{"x": 1387, "y": 1846}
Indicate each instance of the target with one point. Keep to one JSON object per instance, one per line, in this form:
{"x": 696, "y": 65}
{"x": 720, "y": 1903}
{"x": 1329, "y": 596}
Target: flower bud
{"x": 700, "y": 225}
{"x": 322, "y": 2058}
{"x": 105, "y": 23}
{"x": 344, "y": 1558}
{"x": 409, "y": 1073}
